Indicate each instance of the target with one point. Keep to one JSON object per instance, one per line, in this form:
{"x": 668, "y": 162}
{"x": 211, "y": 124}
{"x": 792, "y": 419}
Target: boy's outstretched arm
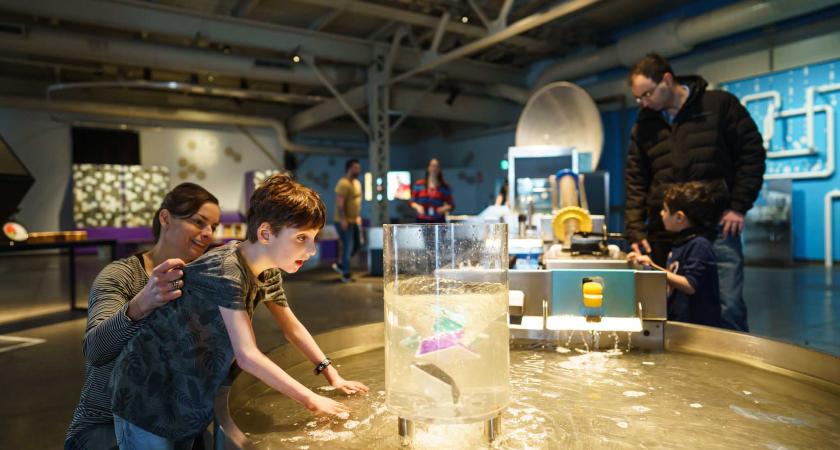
{"x": 297, "y": 334}
{"x": 253, "y": 361}
{"x": 677, "y": 282}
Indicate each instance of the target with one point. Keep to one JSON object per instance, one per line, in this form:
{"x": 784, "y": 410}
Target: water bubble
{"x": 634, "y": 394}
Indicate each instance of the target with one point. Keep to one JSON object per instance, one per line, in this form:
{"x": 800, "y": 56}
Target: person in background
{"x": 348, "y": 219}
{"x": 688, "y": 210}
{"x": 431, "y": 197}
{"x": 165, "y": 381}
{"x": 685, "y": 132}
{"x": 126, "y": 292}
{"x": 501, "y": 199}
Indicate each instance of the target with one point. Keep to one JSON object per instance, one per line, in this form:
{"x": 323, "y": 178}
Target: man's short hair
{"x": 695, "y": 200}
{"x": 350, "y": 163}
{"x": 652, "y": 66}
{"x": 283, "y": 202}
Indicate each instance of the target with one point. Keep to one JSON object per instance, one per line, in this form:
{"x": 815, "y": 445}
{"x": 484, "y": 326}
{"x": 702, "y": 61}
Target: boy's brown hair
{"x": 695, "y": 200}
{"x": 283, "y": 202}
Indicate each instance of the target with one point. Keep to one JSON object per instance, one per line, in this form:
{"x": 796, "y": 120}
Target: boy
{"x": 165, "y": 380}
{"x": 689, "y": 210}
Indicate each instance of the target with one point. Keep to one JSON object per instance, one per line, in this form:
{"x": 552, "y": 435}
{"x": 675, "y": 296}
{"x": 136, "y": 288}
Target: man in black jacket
{"x": 686, "y": 133}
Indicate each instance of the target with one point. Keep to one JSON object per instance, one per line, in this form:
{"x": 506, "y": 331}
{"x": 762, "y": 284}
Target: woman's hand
{"x": 418, "y": 208}
{"x": 319, "y": 404}
{"x": 164, "y": 285}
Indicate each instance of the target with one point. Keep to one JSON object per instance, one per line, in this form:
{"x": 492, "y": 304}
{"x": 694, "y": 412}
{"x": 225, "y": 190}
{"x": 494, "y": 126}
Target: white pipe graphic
{"x": 829, "y": 255}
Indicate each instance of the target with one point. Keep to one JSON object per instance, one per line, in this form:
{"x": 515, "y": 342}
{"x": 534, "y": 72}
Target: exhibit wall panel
{"x": 215, "y": 158}
{"x": 44, "y": 147}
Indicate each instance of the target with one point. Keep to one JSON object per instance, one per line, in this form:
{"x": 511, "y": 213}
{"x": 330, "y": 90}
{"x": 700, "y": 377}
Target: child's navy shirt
{"x": 694, "y": 259}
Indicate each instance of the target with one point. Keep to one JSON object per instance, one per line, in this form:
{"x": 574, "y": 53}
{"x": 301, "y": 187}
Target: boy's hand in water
{"x": 319, "y": 404}
{"x": 348, "y": 387}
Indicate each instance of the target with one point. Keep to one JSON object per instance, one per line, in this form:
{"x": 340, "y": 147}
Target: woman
{"x": 126, "y": 292}
{"x": 431, "y": 196}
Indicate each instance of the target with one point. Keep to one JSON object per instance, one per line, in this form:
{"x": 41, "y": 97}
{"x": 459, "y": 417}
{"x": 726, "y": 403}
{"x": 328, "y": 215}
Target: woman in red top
{"x": 431, "y": 196}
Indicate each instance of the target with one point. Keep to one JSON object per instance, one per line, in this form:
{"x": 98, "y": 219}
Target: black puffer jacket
{"x": 713, "y": 138}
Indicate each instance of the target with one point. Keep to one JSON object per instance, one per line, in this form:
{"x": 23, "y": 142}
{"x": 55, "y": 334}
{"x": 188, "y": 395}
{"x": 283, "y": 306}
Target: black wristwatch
{"x": 322, "y": 366}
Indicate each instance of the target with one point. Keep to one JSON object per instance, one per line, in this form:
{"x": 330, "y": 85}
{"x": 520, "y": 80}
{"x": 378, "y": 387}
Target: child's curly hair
{"x": 695, "y": 200}
{"x": 283, "y": 202}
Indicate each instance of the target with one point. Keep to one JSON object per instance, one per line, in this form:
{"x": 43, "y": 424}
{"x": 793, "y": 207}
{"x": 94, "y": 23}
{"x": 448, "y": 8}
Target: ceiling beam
{"x": 355, "y": 98}
{"x": 463, "y": 108}
{"x": 326, "y": 19}
{"x": 243, "y": 7}
{"x": 170, "y": 21}
{"x": 521, "y": 26}
{"x": 439, "y": 32}
{"x": 417, "y": 102}
{"x": 418, "y": 19}
{"x": 478, "y": 12}
{"x": 56, "y": 43}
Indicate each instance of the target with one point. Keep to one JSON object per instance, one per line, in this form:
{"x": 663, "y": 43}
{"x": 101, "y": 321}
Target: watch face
{"x": 15, "y": 232}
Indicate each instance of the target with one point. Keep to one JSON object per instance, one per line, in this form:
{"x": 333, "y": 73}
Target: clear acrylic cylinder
{"x": 446, "y": 321}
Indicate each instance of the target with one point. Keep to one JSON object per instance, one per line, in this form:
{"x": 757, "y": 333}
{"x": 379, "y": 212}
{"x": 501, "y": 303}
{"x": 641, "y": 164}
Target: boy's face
{"x": 673, "y": 221}
{"x": 291, "y": 247}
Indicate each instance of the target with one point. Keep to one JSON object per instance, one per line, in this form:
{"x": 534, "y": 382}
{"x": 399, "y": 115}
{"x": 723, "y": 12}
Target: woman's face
{"x": 191, "y": 235}
{"x": 434, "y": 167}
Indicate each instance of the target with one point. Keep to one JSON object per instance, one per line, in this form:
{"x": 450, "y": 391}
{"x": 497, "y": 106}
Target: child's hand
{"x": 639, "y": 258}
{"x": 349, "y": 387}
{"x": 319, "y": 404}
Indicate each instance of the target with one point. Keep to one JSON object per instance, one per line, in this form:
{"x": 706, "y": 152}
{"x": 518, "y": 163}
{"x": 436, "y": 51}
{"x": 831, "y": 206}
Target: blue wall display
{"x": 796, "y": 112}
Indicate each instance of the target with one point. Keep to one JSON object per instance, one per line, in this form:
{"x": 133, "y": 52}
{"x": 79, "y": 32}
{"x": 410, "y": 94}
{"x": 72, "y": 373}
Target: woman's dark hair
{"x": 283, "y": 202}
{"x": 652, "y": 66}
{"x": 182, "y": 202}
{"x": 440, "y": 174}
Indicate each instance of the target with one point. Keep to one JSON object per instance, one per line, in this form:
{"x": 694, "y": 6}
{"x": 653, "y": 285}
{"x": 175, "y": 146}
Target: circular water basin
{"x": 571, "y": 398}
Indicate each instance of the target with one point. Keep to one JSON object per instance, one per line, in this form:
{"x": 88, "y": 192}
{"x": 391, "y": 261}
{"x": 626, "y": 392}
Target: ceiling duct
{"x": 680, "y": 36}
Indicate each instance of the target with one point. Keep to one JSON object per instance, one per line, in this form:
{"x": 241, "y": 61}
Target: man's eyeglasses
{"x": 648, "y": 94}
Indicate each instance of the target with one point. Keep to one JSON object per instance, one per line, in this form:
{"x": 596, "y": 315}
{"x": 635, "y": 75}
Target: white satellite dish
{"x": 562, "y": 114}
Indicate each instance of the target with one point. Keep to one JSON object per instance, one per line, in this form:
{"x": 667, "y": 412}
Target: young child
{"x": 689, "y": 210}
{"x": 164, "y": 382}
